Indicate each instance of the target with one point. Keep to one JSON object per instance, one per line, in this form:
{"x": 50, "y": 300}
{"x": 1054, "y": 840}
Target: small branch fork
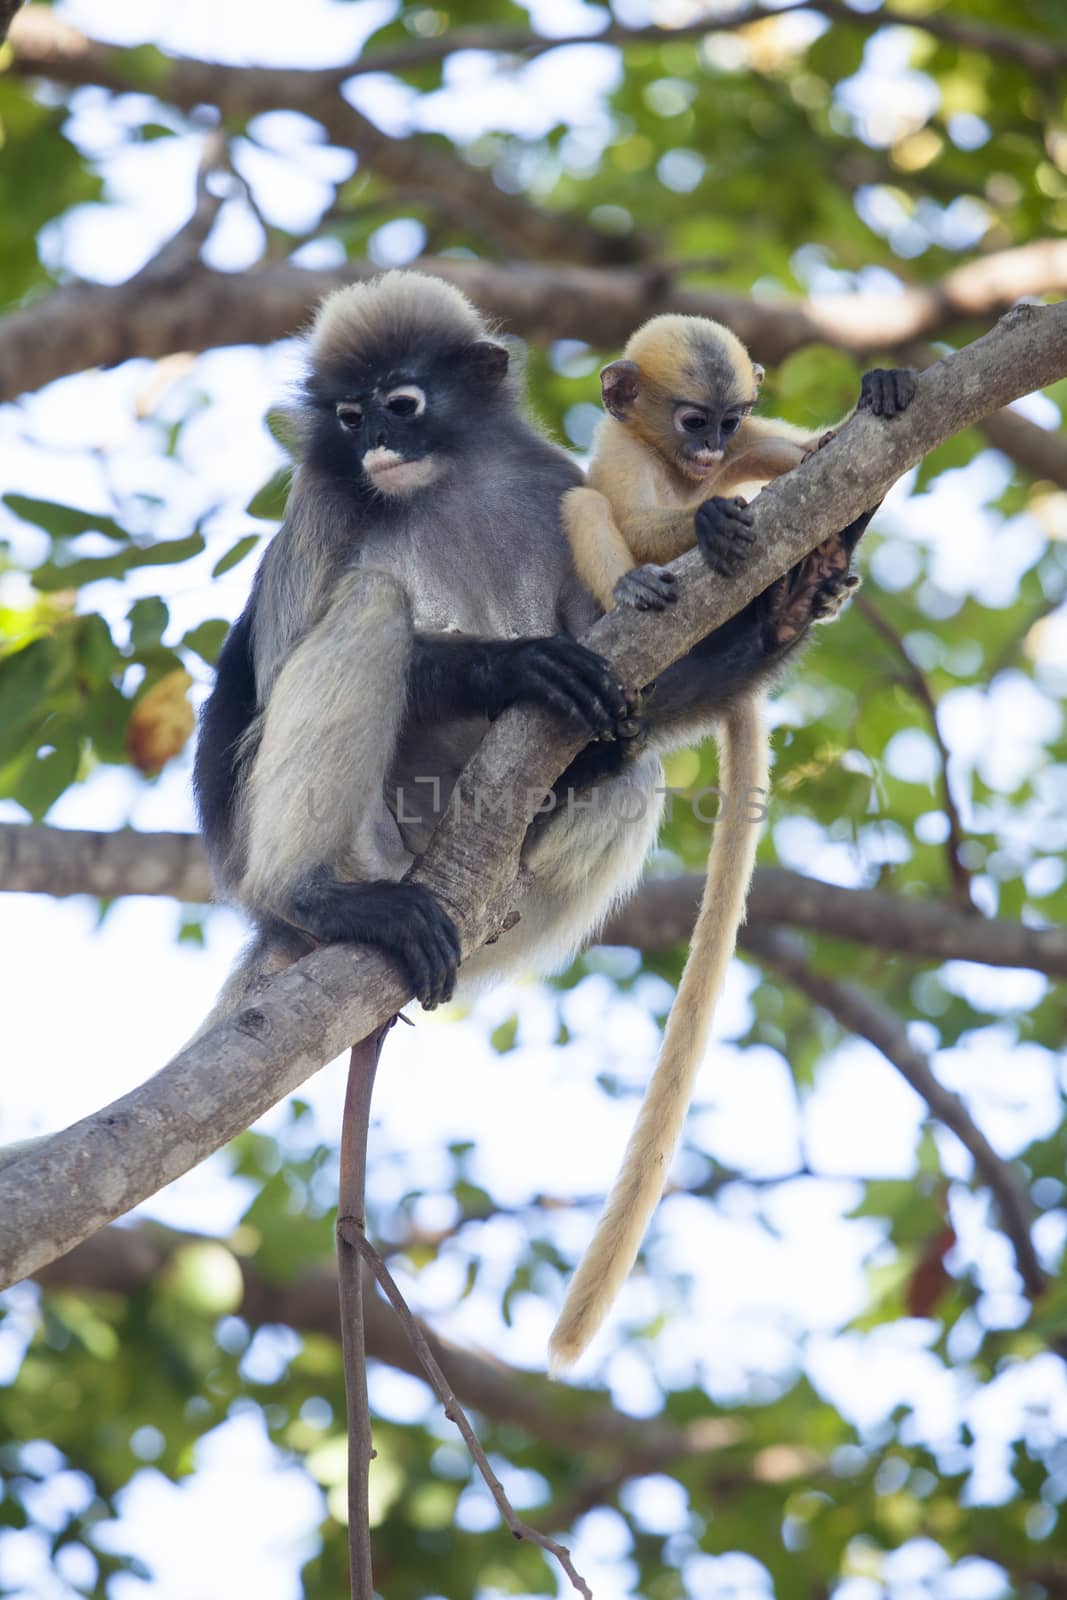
{"x": 357, "y": 1239}
{"x": 352, "y": 1246}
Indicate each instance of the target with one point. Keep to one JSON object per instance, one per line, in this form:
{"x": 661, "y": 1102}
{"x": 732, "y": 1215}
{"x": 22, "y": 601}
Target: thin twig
{"x": 860, "y": 1013}
{"x": 915, "y": 680}
{"x": 454, "y": 1411}
{"x": 177, "y": 253}
{"x": 351, "y": 1222}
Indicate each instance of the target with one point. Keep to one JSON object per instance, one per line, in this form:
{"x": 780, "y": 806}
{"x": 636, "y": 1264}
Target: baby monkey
{"x": 678, "y": 442}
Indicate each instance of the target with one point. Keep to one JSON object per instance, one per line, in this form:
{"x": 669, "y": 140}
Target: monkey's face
{"x": 685, "y": 385}
{"x": 394, "y": 426}
{"x": 701, "y": 430}
{"x": 392, "y": 434}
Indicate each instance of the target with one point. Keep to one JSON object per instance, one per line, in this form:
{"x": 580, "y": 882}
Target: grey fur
{"x": 329, "y": 769}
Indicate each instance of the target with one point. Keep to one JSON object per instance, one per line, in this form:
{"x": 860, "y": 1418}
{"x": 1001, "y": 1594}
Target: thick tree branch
{"x": 44, "y": 45}
{"x": 86, "y": 325}
{"x": 1042, "y": 452}
{"x": 67, "y": 861}
{"x": 663, "y": 912}
{"x": 90, "y": 1173}
{"x": 859, "y": 1012}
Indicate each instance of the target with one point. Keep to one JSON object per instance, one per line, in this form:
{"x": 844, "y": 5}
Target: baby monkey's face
{"x": 700, "y": 430}
{"x": 685, "y": 385}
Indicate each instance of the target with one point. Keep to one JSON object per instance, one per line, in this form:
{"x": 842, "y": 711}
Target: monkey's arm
{"x": 601, "y": 554}
{"x": 227, "y": 714}
{"x": 451, "y": 677}
{"x": 759, "y": 459}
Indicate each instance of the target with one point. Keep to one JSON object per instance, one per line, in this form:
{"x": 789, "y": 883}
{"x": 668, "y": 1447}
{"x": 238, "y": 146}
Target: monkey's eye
{"x": 730, "y": 425}
{"x": 406, "y": 402}
{"x": 350, "y": 416}
{"x": 691, "y": 420}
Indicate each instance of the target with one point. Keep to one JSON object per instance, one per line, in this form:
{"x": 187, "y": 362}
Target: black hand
{"x": 648, "y": 588}
{"x": 887, "y": 391}
{"x": 561, "y": 674}
{"x": 403, "y": 919}
{"x": 724, "y": 534}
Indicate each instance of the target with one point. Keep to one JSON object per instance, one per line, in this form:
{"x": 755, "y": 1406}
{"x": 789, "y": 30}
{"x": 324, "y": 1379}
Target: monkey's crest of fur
{"x": 674, "y": 351}
{"x": 398, "y": 311}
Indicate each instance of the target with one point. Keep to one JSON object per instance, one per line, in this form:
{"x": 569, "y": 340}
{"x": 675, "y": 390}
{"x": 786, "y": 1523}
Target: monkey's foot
{"x": 647, "y": 588}
{"x": 563, "y": 675}
{"x": 834, "y": 595}
{"x": 886, "y": 391}
{"x": 724, "y": 534}
{"x": 402, "y": 919}
{"x": 814, "y": 591}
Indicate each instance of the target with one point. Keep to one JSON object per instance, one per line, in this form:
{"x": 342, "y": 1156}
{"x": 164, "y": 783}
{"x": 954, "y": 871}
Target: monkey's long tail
{"x": 744, "y": 766}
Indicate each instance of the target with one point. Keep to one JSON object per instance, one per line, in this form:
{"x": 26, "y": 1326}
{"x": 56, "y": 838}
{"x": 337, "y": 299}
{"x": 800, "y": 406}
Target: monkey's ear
{"x": 619, "y": 384}
{"x": 758, "y": 372}
{"x": 485, "y": 363}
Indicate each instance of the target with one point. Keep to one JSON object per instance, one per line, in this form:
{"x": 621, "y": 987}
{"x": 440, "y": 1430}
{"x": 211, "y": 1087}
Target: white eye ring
{"x": 407, "y": 391}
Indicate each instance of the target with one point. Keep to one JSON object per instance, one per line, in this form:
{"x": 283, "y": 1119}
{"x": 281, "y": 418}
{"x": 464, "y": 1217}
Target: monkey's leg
{"x": 321, "y": 851}
{"x": 604, "y": 560}
{"x": 817, "y": 588}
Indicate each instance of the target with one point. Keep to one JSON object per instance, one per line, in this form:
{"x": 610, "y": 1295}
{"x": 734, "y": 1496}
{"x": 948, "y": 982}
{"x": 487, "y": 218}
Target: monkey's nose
{"x": 380, "y": 439}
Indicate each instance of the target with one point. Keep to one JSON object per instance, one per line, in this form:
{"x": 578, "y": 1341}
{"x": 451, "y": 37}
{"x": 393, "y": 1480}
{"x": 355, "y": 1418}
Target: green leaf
{"x": 75, "y": 574}
{"x": 63, "y": 522}
{"x": 503, "y": 1037}
{"x": 148, "y": 621}
{"x": 24, "y": 680}
{"x": 44, "y": 777}
{"x": 235, "y": 554}
{"x": 206, "y": 639}
{"x": 268, "y": 503}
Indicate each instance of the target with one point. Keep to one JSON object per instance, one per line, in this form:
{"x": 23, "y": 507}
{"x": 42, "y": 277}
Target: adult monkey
{"x": 420, "y": 584}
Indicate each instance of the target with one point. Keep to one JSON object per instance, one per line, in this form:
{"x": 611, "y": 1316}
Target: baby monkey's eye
{"x": 350, "y": 416}
{"x": 730, "y": 425}
{"x": 692, "y": 420}
{"x": 406, "y": 402}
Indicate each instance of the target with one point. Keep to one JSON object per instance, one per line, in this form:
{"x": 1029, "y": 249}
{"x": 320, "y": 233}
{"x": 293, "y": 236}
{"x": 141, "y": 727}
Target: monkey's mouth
{"x": 393, "y": 474}
{"x": 699, "y": 463}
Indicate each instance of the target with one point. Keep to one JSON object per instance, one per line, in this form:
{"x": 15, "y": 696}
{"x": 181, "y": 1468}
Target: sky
{"x": 130, "y": 994}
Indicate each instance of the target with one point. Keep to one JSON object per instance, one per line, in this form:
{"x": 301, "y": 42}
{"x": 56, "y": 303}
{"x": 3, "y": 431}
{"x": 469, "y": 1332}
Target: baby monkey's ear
{"x": 486, "y": 363}
{"x": 759, "y": 373}
{"x": 619, "y": 384}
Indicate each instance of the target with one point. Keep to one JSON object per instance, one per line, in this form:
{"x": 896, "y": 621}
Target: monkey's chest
{"x": 464, "y": 579}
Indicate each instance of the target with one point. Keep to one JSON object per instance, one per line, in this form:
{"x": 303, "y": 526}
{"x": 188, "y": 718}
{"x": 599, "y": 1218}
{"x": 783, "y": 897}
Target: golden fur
{"x": 638, "y": 507}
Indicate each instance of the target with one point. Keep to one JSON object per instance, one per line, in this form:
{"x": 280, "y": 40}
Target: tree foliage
{"x": 864, "y": 155}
